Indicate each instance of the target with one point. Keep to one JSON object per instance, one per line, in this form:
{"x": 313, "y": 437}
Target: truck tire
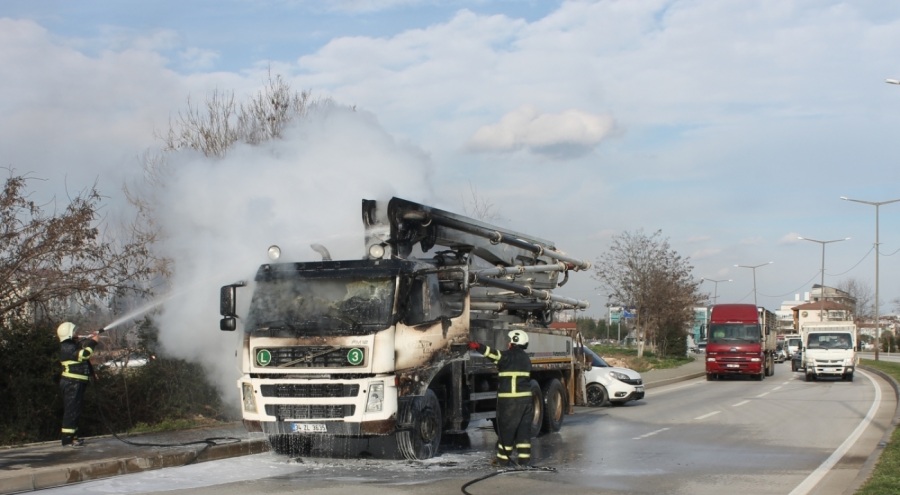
{"x": 848, "y": 377}
{"x": 423, "y": 438}
{"x": 810, "y": 377}
{"x": 537, "y": 401}
{"x": 554, "y": 406}
{"x": 597, "y": 395}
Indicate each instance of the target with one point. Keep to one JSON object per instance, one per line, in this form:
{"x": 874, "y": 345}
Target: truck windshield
{"x": 829, "y": 341}
{"x": 733, "y": 332}
{"x": 299, "y": 305}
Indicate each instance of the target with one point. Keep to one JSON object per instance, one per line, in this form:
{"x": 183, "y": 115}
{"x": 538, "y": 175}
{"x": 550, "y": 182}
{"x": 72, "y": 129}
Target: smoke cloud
{"x": 220, "y": 216}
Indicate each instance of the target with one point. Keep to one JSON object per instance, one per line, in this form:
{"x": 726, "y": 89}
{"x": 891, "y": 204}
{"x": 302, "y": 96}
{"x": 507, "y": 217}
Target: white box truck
{"x": 829, "y": 349}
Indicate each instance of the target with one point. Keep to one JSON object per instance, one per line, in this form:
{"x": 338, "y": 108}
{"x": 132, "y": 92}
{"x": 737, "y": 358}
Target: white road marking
{"x": 810, "y": 482}
{"x": 707, "y": 415}
{"x": 741, "y": 403}
{"x": 645, "y": 435}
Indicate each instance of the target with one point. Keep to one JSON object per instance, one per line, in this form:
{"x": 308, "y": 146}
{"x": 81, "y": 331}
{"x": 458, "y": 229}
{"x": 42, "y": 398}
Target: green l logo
{"x": 263, "y": 357}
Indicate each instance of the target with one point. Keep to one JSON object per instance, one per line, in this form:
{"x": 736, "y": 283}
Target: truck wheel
{"x": 597, "y": 395}
{"x": 809, "y": 377}
{"x": 711, "y": 377}
{"x": 422, "y": 440}
{"x": 537, "y": 402}
{"x": 554, "y": 406}
{"x": 848, "y": 377}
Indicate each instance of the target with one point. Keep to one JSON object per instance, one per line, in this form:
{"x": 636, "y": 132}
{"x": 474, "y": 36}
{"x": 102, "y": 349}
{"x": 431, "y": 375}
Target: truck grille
{"x": 298, "y": 411}
{"x": 311, "y": 357}
{"x": 309, "y": 390}
{"x": 633, "y": 381}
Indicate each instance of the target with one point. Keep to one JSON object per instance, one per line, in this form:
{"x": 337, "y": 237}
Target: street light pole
{"x": 715, "y": 287}
{"x": 822, "y": 283}
{"x": 754, "y": 277}
{"x": 876, "y": 204}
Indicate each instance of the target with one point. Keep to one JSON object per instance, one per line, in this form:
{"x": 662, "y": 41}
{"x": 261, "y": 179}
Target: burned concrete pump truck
{"x": 377, "y": 346}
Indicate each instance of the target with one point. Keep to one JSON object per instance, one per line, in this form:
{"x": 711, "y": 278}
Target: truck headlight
{"x": 247, "y": 397}
{"x": 848, "y": 362}
{"x": 376, "y": 397}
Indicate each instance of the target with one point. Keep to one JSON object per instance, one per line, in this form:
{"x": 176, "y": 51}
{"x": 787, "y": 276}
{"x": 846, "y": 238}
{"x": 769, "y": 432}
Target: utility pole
{"x": 754, "y": 278}
{"x": 876, "y": 204}
{"x": 822, "y": 283}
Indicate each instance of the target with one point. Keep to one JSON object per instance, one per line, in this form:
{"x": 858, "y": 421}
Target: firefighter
{"x": 74, "y": 355}
{"x": 514, "y": 404}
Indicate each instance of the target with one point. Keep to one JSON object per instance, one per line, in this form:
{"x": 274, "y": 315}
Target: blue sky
{"x": 731, "y": 126}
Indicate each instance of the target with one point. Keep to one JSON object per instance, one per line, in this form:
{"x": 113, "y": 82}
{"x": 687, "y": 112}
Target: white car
{"x": 611, "y": 385}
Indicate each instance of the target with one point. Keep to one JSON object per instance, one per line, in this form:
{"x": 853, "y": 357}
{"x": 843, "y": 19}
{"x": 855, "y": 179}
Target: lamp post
{"x": 876, "y": 204}
{"x": 822, "y": 283}
{"x": 715, "y": 287}
{"x": 754, "y": 267}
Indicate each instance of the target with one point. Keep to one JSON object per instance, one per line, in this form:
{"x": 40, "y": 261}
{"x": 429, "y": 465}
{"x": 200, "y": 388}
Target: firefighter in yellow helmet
{"x": 74, "y": 355}
{"x": 515, "y": 409}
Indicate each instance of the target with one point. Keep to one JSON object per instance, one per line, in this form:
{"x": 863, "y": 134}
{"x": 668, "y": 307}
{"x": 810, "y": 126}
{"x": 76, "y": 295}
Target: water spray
{"x": 135, "y": 313}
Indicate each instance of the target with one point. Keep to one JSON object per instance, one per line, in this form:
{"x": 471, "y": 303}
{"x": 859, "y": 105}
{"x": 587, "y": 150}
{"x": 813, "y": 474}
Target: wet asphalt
{"x": 31, "y": 467}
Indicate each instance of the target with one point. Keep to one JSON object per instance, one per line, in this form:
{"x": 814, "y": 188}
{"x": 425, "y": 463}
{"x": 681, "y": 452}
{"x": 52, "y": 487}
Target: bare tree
{"x": 643, "y": 272}
{"x": 863, "y": 294}
{"x": 479, "y": 207}
{"x": 222, "y": 122}
{"x": 62, "y": 256}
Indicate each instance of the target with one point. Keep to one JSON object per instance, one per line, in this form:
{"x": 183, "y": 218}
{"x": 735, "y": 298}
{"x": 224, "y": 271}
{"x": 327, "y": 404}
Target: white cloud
{"x": 565, "y": 134}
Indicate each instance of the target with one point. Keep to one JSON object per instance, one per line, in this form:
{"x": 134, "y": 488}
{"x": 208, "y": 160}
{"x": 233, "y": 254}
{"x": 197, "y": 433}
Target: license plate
{"x": 638, "y": 389}
{"x": 733, "y": 365}
{"x": 308, "y": 427}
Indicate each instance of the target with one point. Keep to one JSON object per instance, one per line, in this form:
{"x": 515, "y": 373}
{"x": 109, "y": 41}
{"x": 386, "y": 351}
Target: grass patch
{"x": 885, "y": 479}
{"x": 174, "y": 425}
{"x": 629, "y": 358}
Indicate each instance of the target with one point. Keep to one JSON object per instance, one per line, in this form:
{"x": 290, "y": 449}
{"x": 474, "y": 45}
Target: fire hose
{"x": 513, "y": 470}
{"x": 207, "y": 442}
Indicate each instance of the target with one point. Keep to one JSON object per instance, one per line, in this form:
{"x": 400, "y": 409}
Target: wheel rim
{"x": 596, "y": 396}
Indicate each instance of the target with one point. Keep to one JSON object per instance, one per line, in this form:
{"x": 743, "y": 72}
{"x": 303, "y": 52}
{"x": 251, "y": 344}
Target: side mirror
{"x": 228, "y": 299}
{"x": 228, "y": 324}
{"x": 228, "y": 306}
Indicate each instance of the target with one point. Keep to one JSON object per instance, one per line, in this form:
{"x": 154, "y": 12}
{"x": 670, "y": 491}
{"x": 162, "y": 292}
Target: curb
{"x": 866, "y": 470}
{"x": 51, "y": 477}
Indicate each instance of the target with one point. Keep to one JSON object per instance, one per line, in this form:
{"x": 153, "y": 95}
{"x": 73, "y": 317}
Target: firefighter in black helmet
{"x": 74, "y": 355}
{"x": 514, "y": 404}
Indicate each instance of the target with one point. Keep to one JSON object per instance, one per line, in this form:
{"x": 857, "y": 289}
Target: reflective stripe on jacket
{"x": 514, "y": 368}
{"x": 75, "y": 358}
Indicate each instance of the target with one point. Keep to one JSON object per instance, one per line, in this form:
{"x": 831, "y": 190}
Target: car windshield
{"x": 596, "y": 360}
{"x": 315, "y": 305}
{"x": 734, "y": 332}
{"x": 829, "y": 341}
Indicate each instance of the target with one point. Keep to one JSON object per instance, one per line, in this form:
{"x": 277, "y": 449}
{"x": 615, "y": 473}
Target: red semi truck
{"x": 741, "y": 341}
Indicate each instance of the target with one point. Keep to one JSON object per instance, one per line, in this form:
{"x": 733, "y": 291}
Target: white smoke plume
{"x": 220, "y": 216}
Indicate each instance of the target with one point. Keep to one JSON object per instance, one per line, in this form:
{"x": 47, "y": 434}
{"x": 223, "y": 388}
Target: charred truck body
{"x": 377, "y": 346}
